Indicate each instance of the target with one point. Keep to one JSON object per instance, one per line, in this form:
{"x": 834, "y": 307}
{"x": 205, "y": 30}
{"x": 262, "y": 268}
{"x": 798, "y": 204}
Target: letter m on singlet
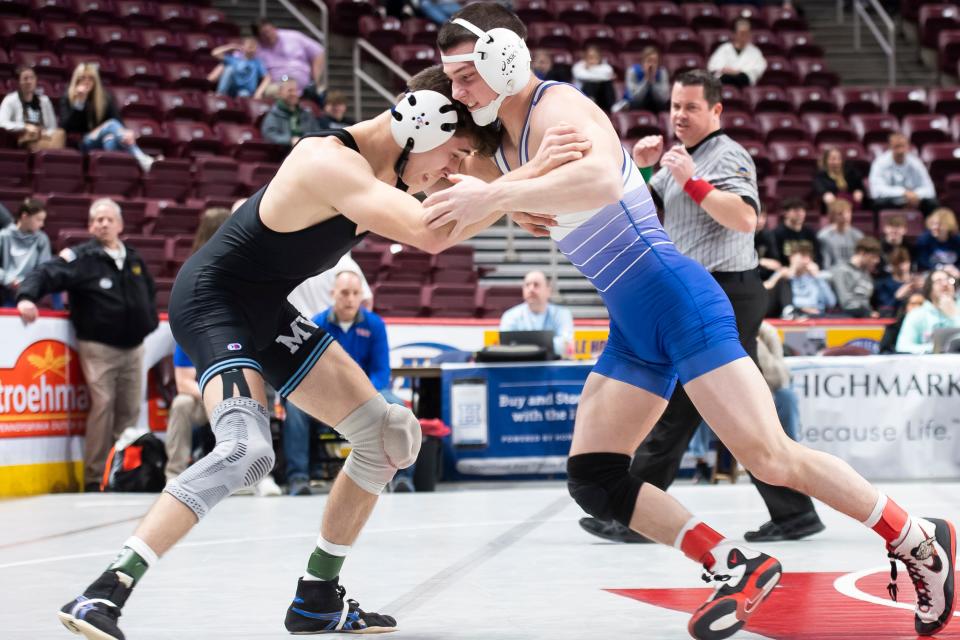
{"x": 300, "y": 334}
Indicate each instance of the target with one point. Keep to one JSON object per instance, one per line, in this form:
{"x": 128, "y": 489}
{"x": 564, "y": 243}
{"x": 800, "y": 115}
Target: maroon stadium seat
{"x": 901, "y": 101}
{"x": 497, "y": 299}
{"x": 398, "y": 299}
{"x": 163, "y": 288}
{"x": 95, "y": 11}
{"x": 197, "y": 47}
{"x": 935, "y": 18}
{"x": 767, "y": 99}
{"x": 113, "y": 172}
{"x": 926, "y": 128}
{"x": 14, "y": 168}
{"x": 69, "y": 37}
{"x": 811, "y": 100}
{"x": 733, "y": 99}
{"x": 420, "y": 31}
{"x": 105, "y": 66}
{"x": 781, "y": 127}
{"x": 635, "y": 124}
{"x": 941, "y": 159}
{"x": 136, "y": 13}
{"x": 874, "y": 127}
{"x": 795, "y": 158}
{"x": 58, "y": 170}
{"x": 829, "y": 127}
{"x": 781, "y": 18}
{"x": 22, "y": 34}
{"x": 637, "y": 38}
{"x": 139, "y": 72}
{"x": 758, "y": 151}
{"x": 733, "y": 12}
{"x": 186, "y": 76}
{"x": 813, "y": 72}
{"x": 740, "y": 126}
{"x": 408, "y": 265}
{"x": 345, "y": 14}
{"x": 254, "y": 175}
{"x": 215, "y": 22}
{"x": 194, "y": 138}
{"x": 382, "y": 33}
{"x": 179, "y": 105}
{"x": 948, "y": 47}
{"x": 136, "y": 102}
{"x": 768, "y": 42}
{"x": 602, "y": 36}
{"x": 575, "y": 12}
{"x": 6, "y": 67}
{"x": 14, "y": 8}
{"x": 113, "y": 40}
{"x": 531, "y": 11}
{"x": 256, "y": 109}
{"x": 681, "y": 40}
{"x": 177, "y": 16}
{"x": 853, "y": 100}
{"x": 660, "y": 14}
{"x": 703, "y": 15}
{"x": 71, "y": 209}
{"x": 555, "y": 35}
{"x": 218, "y": 108}
{"x": 679, "y": 62}
{"x": 713, "y": 38}
{"x": 413, "y": 58}
{"x": 457, "y": 257}
{"x": 216, "y": 176}
{"x": 160, "y": 44}
{"x": 617, "y": 13}
{"x": 168, "y": 179}
{"x": 780, "y": 71}
{"x": 179, "y": 249}
{"x": 152, "y": 249}
{"x": 152, "y": 136}
{"x": 171, "y": 218}
{"x": 46, "y": 64}
{"x": 243, "y": 142}
{"x": 798, "y": 44}
{"x": 134, "y": 215}
{"x": 451, "y": 300}
{"x": 945, "y": 101}
{"x": 11, "y": 197}
{"x": 47, "y": 10}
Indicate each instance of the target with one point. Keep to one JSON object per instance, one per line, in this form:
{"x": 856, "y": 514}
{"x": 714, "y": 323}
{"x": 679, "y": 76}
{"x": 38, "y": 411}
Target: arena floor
{"x": 495, "y": 562}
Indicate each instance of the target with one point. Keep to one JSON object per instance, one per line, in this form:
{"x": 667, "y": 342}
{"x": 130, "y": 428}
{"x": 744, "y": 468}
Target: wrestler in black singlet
{"x": 229, "y": 308}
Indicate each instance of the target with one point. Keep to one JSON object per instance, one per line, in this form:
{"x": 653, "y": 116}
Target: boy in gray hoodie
{"x": 23, "y": 246}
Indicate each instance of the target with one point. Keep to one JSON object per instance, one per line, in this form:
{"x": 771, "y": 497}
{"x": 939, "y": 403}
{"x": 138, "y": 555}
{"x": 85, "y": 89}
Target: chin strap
{"x": 401, "y": 165}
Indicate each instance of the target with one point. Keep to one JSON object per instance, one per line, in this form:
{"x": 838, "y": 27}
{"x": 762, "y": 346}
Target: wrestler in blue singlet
{"x": 668, "y": 317}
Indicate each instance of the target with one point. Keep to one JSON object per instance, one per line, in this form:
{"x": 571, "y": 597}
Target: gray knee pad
{"x": 385, "y": 437}
{"x": 243, "y": 455}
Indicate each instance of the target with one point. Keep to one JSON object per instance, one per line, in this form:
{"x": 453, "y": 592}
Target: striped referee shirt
{"x": 728, "y": 167}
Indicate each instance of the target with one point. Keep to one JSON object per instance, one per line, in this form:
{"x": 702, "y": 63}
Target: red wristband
{"x": 698, "y": 188}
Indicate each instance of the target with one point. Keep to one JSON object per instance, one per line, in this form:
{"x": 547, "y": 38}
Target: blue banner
{"x": 510, "y": 419}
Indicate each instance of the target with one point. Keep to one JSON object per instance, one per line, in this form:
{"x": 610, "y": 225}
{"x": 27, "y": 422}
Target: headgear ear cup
{"x": 503, "y": 62}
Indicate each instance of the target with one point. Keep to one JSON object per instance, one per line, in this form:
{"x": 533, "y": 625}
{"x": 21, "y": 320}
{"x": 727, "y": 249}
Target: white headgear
{"x": 424, "y": 120}
{"x": 502, "y": 60}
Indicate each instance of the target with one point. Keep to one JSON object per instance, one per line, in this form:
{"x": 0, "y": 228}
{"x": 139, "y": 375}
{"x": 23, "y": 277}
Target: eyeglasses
{"x": 950, "y": 281}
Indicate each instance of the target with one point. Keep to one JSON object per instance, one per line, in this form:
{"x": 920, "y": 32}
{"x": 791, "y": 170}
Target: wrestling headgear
{"x": 422, "y": 121}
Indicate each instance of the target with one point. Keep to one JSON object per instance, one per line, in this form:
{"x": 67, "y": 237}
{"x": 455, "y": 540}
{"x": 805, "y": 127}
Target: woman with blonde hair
{"x": 939, "y": 245}
{"x": 89, "y": 109}
{"x": 837, "y": 179}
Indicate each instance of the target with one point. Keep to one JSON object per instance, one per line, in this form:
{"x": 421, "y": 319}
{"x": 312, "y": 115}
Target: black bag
{"x": 138, "y": 467}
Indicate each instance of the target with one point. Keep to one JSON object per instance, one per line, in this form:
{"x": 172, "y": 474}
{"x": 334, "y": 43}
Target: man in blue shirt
{"x": 537, "y": 314}
{"x": 363, "y": 335}
{"x": 242, "y": 74}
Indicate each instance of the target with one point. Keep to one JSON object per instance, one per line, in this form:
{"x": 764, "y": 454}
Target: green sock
{"x": 324, "y": 566}
{"x": 130, "y": 563}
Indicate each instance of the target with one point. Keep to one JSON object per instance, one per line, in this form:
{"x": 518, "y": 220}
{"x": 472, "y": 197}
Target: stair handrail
{"x": 321, "y": 34}
{"x": 359, "y": 75}
{"x": 887, "y": 44}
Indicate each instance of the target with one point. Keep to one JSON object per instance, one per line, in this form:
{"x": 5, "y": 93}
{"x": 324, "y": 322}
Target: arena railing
{"x": 321, "y": 34}
{"x": 888, "y": 43}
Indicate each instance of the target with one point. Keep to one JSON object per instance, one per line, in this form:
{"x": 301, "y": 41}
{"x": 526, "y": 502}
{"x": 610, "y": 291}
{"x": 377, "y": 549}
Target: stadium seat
{"x": 780, "y": 71}
{"x": 140, "y": 73}
{"x": 216, "y": 176}
{"x": 215, "y": 23}
{"x": 382, "y": 33}
{"x": 345, "y": 14}
{"x": 740, "y": 126}
{"x": 681, "y": 40}
{"x": 420, "y": 31}
{"x": 152, "y": 136}
{"x": 767, "y": 99}
{"x": 220, "y": 108}
{"x": 795, "y": 158}
{"x": 244, "y": 143}
{"x": 677, "y": 63}
{"x": 92, "y": 12}
{"x": 160, "y": 44}
{"x": 46, "y": 64}
{"x": 254, "y": 175}
{"x": 617, "y": 13}
{"x": 926, "y": 128}
{"x": 398, "y": 299}
{"x": 553, "y": 35}
{"x": 136, "y": 13}
{"x": 171, "y": 219}
{"x": 660, "y": 14}
{"x": 758, "y": 151}
{"x": 637, "y": 38}
{"x": 713, "y": 38}
{"x": 493, "y": 301}
{"x": 197, "y": 48}
{"x": 602, "y": 36}
{"x": 780, "y": 127}
{"x": 733, "y": 99}
{"x": 797, "y": 44}
{"x": 531, "y": 11}
{"x": 733, "y": 12}
{"x": 780, "y": 18}
{"x": 6, "y": 66}
{"x": 11, "y": 197}
{"x": 829, "y": 128}
{"x": 413, "y": 58}
{"x": 451, "y": 300}
{"x": 179, "y": 249}
{"x": 168, "y": 179}
{"x": 853, "y": 100}
{"x": 408, "y": 265}
{"x": 113, "y": 172}
{"x": 915, "y": 221}
{"x": 134, "y": 214}
{"x": 136, "y": 102}
{"x": 58, "y": 170}
{"x": 186, "y": 76}
{"x": 71, "y": 237}
{"x": 152, "y": 249}
{"x": 14, "y": 8}
{"x": 163, "y": 288}
{"x": 22, "y": 34}
{"x": 179, "y": 105}
{"x": 69, "y": 37}
{"x": 49, "y": 10}
{"x": 702, "y": 15}
{"x": 635, "y": 124}
{"x": 456, "y": 276}
{"x": 768, "y": 42}
{"x": 369, "y": 259}
{"x": 941, "y": 160}
{"x": 193, "y": 138}
{"x": 948, "y": 50}
{"x": 457, "y": 257}
{"x": 811, "y": 100}
{"x": 71, "y": 208}
{"x": 814, "y": 73}
{"x": 874, "y": 127}
{"x": 574, "y": 12}
{"x": 177, "y": 16}
{"x": 934, "y": 18}
{"x": 14, "y": 168}
{"x": 902, "y": 101}
{"x": 256, "y": 109}
{"x": 113, "y": 40}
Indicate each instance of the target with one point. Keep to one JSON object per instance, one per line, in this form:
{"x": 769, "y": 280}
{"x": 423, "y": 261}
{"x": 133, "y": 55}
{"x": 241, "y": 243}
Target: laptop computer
{"x": 542, "y": 339}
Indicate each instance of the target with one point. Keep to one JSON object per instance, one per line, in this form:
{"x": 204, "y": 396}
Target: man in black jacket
{"x": 112, "y": 309}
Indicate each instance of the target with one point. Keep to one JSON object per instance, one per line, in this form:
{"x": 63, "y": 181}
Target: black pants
{"x": 926, "y": 206}
{"x": 657, "y": 460}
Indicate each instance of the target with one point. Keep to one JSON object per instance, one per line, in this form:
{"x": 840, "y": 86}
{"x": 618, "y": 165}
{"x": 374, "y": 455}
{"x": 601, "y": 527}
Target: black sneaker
{"x": 612, "y": 530}
{"x": 320, "y": 607}
{"x": 94, "y": 614}
{"x": 793, "y": 528}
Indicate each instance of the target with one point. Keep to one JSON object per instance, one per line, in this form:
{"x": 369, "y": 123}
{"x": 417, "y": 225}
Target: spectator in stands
{"x": 888, "y": 343}
{"x": 536, "y": 313}
{"x": 792, "y": 230}
{"x": 852, "y": 279}
{"x": 594, "y": 77}
{"x": 647, "y": 84}
{"x": 30, "y": 115}
{"x": 187, "y": 410}
{"x": 894, "y": 230}
{"x": 838, "y": 239}
{"x": 438, "y": 12}
{"x": 23, "y": 247}
{"x": 775, "y": 371}
{"x": 891, "y": 289}
{"x": 315, "y": 295}
{"x": 112, "y": 310}
{"x": 939, "y": 245}
{"x": 287, "y": 53}
{"x": 89, "y": 109}
{"x": 837, "y": 179}
{"x": 544, "y": 68}
{"x": 335, "y": 112}
{"x": 288, "y": 120}
{"x": 738, "y": 62}
{"x": 899, "y": 179}
{"x": 809, "y": 293}
{"x": 240, "y": 73}
{"x": 938, "y": 311}
{"x": 766, "y": 246}
{"x": 363, "y": 335}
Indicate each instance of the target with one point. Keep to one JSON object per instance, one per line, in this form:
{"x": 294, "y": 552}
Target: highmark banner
{"x": 890, "y": 417}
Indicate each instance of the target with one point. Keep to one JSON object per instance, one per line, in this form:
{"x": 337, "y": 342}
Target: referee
{"x": 711, "y": 220}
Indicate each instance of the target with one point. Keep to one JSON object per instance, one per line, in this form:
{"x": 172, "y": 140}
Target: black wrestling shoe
{"x": 612, "y": 530}
{"x": 320, "y": 607}
{"x": 94, "y": 614}
{"x": 793, "y": 528}
{"x": 928, "y": 551}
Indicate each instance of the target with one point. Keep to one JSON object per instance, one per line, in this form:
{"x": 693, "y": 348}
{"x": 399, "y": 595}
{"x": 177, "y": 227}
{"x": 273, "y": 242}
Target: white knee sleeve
{"x": 243, "y": 455}
{"x": 385, "y": 437}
